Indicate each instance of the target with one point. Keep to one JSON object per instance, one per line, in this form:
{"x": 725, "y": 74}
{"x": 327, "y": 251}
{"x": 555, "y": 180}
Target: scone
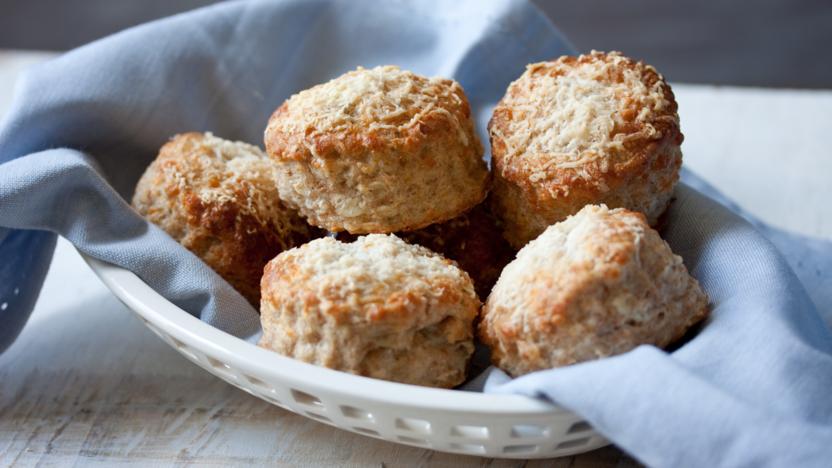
{"x": 597, "y": 284}
{"x": 377, "y": 307}
{"x": 378, "y": 151}
{"x": 473, "y": 240}
{"x": 218, "y": 199}
{"x": 598, "y": 128}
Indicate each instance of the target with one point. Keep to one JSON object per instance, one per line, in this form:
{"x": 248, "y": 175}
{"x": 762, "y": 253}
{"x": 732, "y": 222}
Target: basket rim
{"x": 191, "y": 331}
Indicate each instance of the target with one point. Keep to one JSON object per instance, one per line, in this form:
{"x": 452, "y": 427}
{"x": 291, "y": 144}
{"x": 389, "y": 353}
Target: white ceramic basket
{"x": 504, "y": 426}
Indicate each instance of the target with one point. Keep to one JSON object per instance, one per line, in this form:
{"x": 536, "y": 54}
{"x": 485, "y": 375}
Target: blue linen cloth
{"x": 752, "y": 388}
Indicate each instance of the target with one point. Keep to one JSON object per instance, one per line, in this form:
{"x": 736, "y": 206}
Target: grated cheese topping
{"x": 225, "y": 170}
{"x": 377, "y": 99}
{"x": 564, "y": 114}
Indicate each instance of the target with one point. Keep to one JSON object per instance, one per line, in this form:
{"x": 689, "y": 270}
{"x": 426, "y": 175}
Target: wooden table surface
{"x": 87, "y": 384}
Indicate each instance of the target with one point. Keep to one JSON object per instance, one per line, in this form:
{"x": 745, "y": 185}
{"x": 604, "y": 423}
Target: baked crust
{"x": 379, "y": 150}
{"x": 377, "y": 307}
{"x": 597, "y": 128}
{"x": 473, "y": 240}
{"x": 219, "y": 200}
{"x": 597, "y": 284}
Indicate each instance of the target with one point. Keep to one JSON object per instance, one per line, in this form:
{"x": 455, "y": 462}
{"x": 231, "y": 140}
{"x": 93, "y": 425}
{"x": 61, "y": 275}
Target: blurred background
{"x": 776, "y": 43}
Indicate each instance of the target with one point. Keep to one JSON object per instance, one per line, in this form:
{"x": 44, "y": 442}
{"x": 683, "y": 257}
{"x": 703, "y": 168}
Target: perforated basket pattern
{"x": 503, "y": 426}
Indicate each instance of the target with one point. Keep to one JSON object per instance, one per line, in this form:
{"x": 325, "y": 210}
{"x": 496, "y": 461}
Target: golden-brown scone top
{"x": 598, "y": 128}
{"x": 597, "y": 284}
{"x": 377, "y": 307}
{"x": 218, "y": 199}
{"x": 378, "y": 150}
{"x": 473, "y": 240}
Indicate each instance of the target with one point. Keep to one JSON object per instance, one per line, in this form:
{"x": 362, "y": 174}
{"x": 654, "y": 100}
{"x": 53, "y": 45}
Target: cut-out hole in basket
{"x": 520, "y": 449}
{"x": 317, "y": 416}
{"x": 219, "y": 365}
{"x": 189, "y": 354}
{"x": 356, "y": 413}
{"x": 581, "y": 426}
{"x": 419, "y": 426}
{"x": 222, "y": 369}
{"x": 469, "y": 448}
{"x": 528, "y": 431}
{"x": 184, "y": 349}
{"x": 365, "y": 430}
{"x": 572, "y": 443}
{"x": 306, "y": 399}
{"x": 472, "y": 432}
{"x": 412, "y": 440}
{"x": 257, "y": 383}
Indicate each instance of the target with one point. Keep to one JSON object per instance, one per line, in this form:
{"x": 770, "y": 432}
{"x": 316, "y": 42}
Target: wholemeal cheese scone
{"x": 599, "y": 283}
{"x": 377, "y": 151}
{"x": 377, "y": 307}
{"x": 473, "y": 240}
{"x": 218, "y": 199}
{"x": 597, "y": 128}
